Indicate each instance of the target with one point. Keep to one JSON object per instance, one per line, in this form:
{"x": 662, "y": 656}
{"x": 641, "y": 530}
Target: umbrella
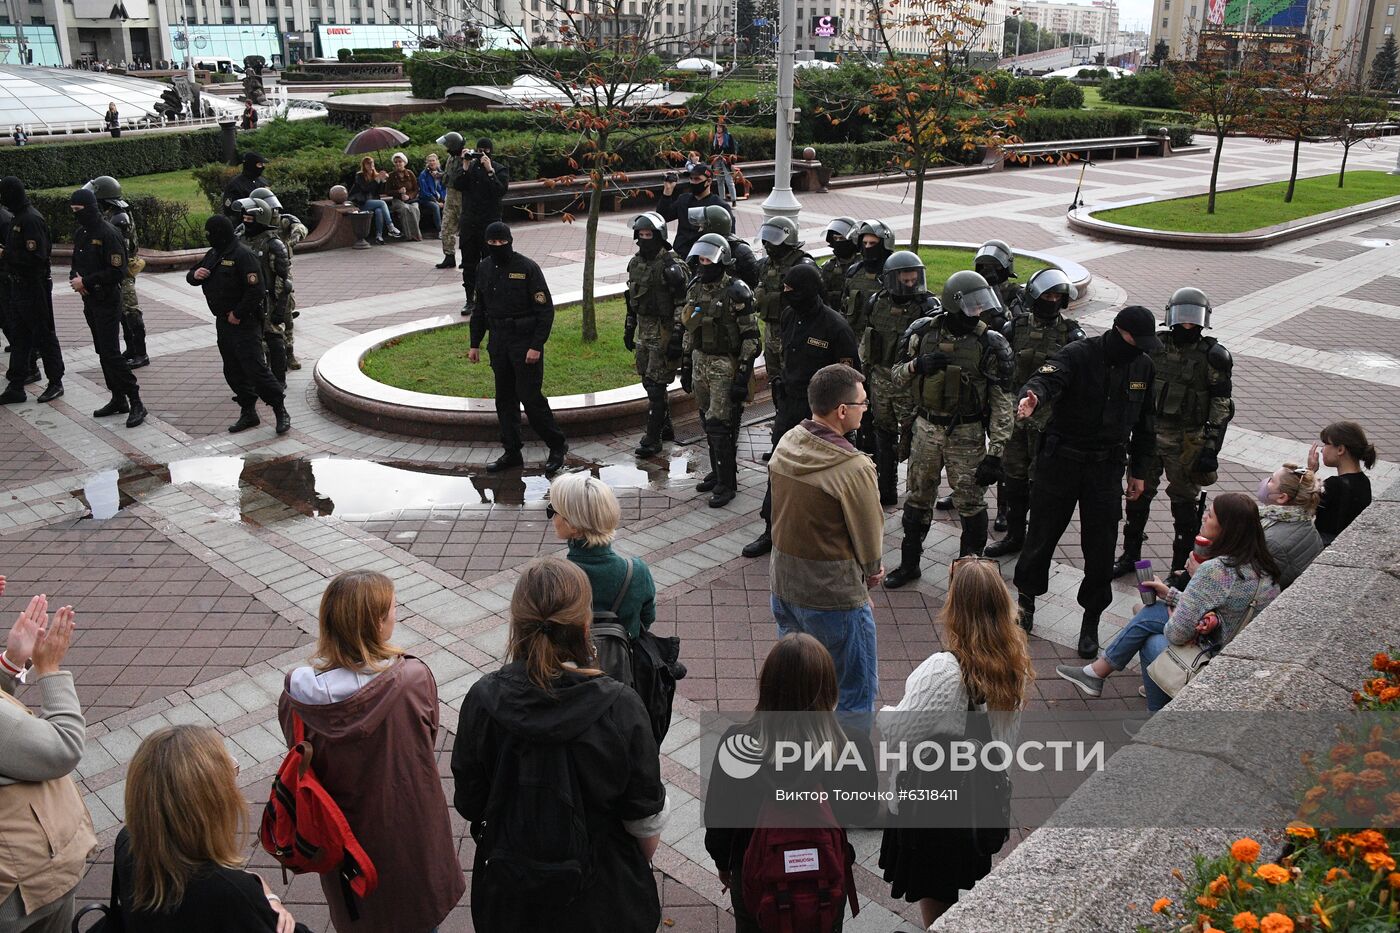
{"x": 374, "y": 139}
{"x": 697, "y": 64}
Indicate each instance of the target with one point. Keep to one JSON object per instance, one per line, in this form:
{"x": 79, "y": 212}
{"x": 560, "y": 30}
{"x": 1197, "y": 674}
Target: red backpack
{"x": 305, "y": 829}
{"x": 798, "y": 879}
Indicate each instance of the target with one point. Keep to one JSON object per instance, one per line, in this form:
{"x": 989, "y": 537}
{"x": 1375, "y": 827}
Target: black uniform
{"x": 481, "y": 206}
{"x": 1102, "y": 391}
{"x": 236, "y": 285}
{"x": 514, "y": 305}
{"x": 6, "y": 320}
{"x": 26, "y": 264}
{"x": 746, "y": 263}
{"x": 243, "y": 185}
{"x": 99, "y": 258}
{"x": 677, "y": 207}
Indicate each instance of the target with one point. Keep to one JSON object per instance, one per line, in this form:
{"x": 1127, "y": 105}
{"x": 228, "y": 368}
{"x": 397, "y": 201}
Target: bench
{"x": 536, "y": 199}
{"x": 1113, "y": 147}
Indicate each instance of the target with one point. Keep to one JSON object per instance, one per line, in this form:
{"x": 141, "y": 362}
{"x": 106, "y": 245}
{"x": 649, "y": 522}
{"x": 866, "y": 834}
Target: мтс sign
{"x": 826, "y": 27}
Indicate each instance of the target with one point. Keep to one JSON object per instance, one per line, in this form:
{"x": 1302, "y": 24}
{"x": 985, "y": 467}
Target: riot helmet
{"x": 256, "y": 213}
{"x": 1049, "y": 292}
{"x": 995, "y": 262}
{"x": 875, "y": 228}
{"x": 838, "y": 237}
{"x": 713, "y": 247}
{"x": 1188, "y": 306}
{"x": 779, "y": 231}
{"x": 903, "y": 275}
{"x": 968, "y": 293}
{"x": 265, "y": 194}
{"x": 106, "y": 188}
{"x": 652, "y": 221}
{"x": 452, "y": 142}
{"x": 712, "y": 218}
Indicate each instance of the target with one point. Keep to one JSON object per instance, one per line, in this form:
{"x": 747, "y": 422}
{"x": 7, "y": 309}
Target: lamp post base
{"x": 781, "y": 203}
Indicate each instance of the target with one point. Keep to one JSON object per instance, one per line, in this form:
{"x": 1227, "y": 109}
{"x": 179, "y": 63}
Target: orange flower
{"x": 1274, "y": 874}
{"x": 1381, "y": 662}
{"x": 1372, "y": 778}
{"x": 1219, "y": 886}
{"x": 1245, "y": 850}
{"x": 1390, "y": 694}
{"x": 1376, "y": 759}
{"x": 1276, "y": 923}
{"x": 1393, "y": 879}
{"x": 1370, "y": 840}
{"x": 1244, "y": 887}
{"x": 1361, "y": 806}
{"x": 1342, "y": 751}
{"x": 1334, "y": 873}
{"x": 1208, "y": 902}
{"x": 1245, "y": 922}
{"x": 1321, "y": 914}
{"x": 1342, "y": 781}
{"x": 1379, "y": 861}
{"x": 1301, "y": 831}
{"x": 1161, "y": 904}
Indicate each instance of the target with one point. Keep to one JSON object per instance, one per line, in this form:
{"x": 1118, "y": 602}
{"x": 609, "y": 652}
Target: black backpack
{"x": 610, "y": 642}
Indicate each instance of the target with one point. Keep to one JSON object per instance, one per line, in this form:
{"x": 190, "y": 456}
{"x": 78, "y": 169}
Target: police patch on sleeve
{"x": 541, "y": 298}
{"x": 252, "y": 278}
{"x": 116, "y": 259}
{"x": 1048, "y": 368}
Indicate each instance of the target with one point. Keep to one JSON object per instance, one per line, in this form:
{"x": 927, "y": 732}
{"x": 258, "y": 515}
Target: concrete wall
{"x": 1307, "y": 651}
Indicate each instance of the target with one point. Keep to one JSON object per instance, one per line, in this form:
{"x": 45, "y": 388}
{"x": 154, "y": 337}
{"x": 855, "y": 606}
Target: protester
{"x": 366, "y": 193}
{"x": 20, "y": 135}
{"x": 46, "y": 833}
{"x": 179, "y": 860}
{"x": 113, "y": 120}
{"x": 432, "y": 193}
{"x": 249, "y": 119}
{"x": 1288, "y": 499}
{"x": 585, "y": 514}
{"x": 372, "y": 711}
{"x": 828, "y": 534}
{"x": 1235, "y": 583}
{"x": 987, "y": 669}
{"x": 1344, "y": 496}
{"x": 797, "y": 677}
{"x": 402, "y": 188}
{"x": 558, "y": 774}
{"x": 723, "y": 150}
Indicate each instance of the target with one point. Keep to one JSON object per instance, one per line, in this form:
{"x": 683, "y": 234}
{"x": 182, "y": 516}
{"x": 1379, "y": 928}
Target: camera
{"x": 471, "y": 155}
{"x": 673, "y": 177}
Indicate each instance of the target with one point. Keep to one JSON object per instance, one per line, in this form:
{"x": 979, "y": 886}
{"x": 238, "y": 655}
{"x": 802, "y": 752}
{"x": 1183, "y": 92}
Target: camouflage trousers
{"x": 1176, "y": 454}
{"x": 1018, "y": 460}
{"x": 653, "y": 342}
{"x": 451, "y": 215}
{"x": 960, "y": 449}
{"x": 712, "y": 375}
{"x": 287, "y": 327}
{"x": 131, "y": 308}
{"x": 890, "y": 406}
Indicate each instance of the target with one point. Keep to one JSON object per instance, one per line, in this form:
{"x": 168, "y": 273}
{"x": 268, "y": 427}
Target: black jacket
{"x": 481, "y": 193}
{"x": 363, "y": 189}
{"x": 27, "y": 246}
{"x": 675, "y": 206}
{"x": 217, "y": 900}
{"x": 235, "y": 284}
{"x": 609, "y": 739}
{"x": 99, "y": 256}
{"x": 811, "y": 340}
{"x": 515, "y": 301}
{"x": 241, "y": 186}
{"x": 1097, "y": 406}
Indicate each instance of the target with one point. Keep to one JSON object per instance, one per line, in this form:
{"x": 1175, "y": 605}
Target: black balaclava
{"x": 1118, "y": 350}
{"x": 874, "y": 257}
{"x": 842, "y": 248}
{"x": 959, "y": 323}
{"x": 807, "y": 291}
{"x": 89, "y": 216}
{"x": 777, "y": 251}
{"x": 219, "y": 231}
{"x": 485, "y": 145}
{"x": 1185, "y": 336}
{"x": 1045, "y": 310}
{"x": 251, "y": 163}
{"x": 990, "y": 270}
{"x": 12, "y": 194}
{"x": 711, "y": 272}
{"x": 650, "y": 249}
{"x": 500, "y": 254}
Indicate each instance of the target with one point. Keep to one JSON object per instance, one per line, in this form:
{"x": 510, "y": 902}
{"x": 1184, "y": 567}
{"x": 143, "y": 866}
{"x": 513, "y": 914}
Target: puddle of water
{"x": 1374, "y": 244}
{"x": 101, "y": 494}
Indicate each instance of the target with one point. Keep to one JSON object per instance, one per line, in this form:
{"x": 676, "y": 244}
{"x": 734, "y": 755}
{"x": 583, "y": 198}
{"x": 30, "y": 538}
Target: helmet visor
{"x": 995, "y": 253}
{"x": 1187, "y": 314}
{"x": 774, "y": 236}
{"x": 838, "y": 228}
{"x": 695, "y": 216}
{"x": 901, "y": 283}
{"x": 980, "y": 300}
{"x": 702, "y": 250}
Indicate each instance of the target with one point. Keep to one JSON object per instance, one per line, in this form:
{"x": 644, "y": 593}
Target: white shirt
{"x": 332, "y": 686}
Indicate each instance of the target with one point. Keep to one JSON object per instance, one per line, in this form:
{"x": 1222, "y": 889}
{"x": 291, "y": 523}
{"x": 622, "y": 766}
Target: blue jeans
{"x": 1143, "y": 637}
{"x": 429, "y": 208}
{"x": 381, "y": 220}
{"x": 849, "y": 634}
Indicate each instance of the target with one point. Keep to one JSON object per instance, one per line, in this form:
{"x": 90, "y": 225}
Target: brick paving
{"x": 201, "y": 592}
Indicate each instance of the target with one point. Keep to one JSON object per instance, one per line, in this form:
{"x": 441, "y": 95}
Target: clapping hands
{"x": 34, "y": 637}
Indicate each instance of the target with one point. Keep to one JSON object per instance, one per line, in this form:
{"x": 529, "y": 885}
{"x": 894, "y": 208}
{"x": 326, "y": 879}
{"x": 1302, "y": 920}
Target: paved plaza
{"x": 196, "y": 559}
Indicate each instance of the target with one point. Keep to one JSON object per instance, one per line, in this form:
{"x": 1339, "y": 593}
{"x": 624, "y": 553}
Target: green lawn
{"x": 1243, "y": 209}
{"x": 436, "y": 361}
{"x": 172, "y": 186}
{"x": 942, "y": 261}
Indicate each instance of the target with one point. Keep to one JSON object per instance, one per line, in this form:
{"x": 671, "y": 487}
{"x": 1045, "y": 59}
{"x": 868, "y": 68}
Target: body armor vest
{"x": 1034, "y": 342}
{"x": 1183, "y": 382}
{"x": 646, "y": 285}
{"x": 768, "y": 296}
{"x": 960, "y": 388}
{"x": 834, "y": 280}
{"x": 709, "y": 316}
{"x": 879, "y": 344}
{"x": 259, "y": 245}
{"x": 859, "y": 288}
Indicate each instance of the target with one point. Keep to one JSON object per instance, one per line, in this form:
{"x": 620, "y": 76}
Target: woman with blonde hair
{"x": 558, "y": 774}
{"x": 179, "y": 860}
{"x": 986, "y": 669}
{"x": 1288, "y": 500}
{"x": 367, "y": 193}
{"x": 371, "y": 713}
{"x": 585, "y": 513}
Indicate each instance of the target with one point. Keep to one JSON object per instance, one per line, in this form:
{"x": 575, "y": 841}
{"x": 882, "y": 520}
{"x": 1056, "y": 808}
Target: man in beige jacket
{"x": 46, "y": 831}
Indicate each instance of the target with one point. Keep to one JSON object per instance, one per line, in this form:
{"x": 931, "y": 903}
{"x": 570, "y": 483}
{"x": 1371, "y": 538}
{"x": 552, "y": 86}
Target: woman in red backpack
{"x": 371, "y": 714}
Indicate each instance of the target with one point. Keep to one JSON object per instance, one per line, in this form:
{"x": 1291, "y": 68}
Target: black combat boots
{"x": 1134, "y": 534}
{"x": 911, "y": 551}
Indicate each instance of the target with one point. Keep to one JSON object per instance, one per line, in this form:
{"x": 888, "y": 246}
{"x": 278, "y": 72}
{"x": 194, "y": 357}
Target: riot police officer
{"x": 518, "y": 312}
{"x": 7, "y": 322}
{"x": 783, "y": 251}
{"x": 996, "y": 263}
{"x": 903, "y": 300}
{"x": 656, "y": 287}
{"x": 1193, "y": 407}
{"x": 715, "y": 218}
{"x": 452, "y": 203}
{"x": 243, "y": 185}
{"x": 719, "y": 344}
{"x": 1102, "y": 390}
{"x": 843, "y": 253}
{"x": 26, "y": 262}
{"x": 875, "y": 241}
{"x": 99, "y": 267}
{"x": 482, "y": 182}
{"x": 260, "y": 237}
{"x": 290, "y": 230}
{"x": 117, "y": 213}
{"x": 233, "y": 285}
{"x": 1034, "y": 338}
{"x": 960, "y": 371}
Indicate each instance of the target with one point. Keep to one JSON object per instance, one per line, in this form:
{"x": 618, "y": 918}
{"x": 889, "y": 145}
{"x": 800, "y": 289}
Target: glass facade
{"x": 373, "y": 36}
{"x": 236, "y": 42}
{"x": 41, "y": 41}
{"x": 54, "y": 96}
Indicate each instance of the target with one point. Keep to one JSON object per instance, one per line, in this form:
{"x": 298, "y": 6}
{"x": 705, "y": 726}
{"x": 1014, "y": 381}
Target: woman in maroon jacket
{"x": 372, "y": 712}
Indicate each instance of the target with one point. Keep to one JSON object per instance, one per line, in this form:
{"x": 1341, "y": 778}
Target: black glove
{"x": 739, "y": 389}
{"x": 988, "y": 471}
{"x": 629, "y": 332}
{"x": 687, "y": 381}
{"x": 930, "y": 363}
{"x": 775, "y": 386}
{"x": 1206, "y": 461}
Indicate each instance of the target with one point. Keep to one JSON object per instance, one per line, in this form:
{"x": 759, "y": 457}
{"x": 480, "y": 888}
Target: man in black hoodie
{"x": 99, "y": 266}
{"x": 813, "y": 335}
{"x": 483, "y": 182}
{"x": 26, "y": 262}
{"x": 243, "y": 184}
{"x": 236, "y": 293}
{"x": 677, "y": 207}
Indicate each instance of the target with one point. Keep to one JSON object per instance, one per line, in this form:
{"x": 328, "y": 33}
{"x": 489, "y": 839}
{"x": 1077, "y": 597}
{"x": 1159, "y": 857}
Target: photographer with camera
{"x": 482, "y": 183}
{"x": 676, "y": 207}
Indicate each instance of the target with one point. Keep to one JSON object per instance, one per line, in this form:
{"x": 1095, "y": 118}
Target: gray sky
{"x": 1135, "y": 14}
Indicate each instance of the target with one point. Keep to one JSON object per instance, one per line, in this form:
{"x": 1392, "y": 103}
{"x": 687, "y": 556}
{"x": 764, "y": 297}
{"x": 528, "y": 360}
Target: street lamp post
{"x": 781, "y": 202}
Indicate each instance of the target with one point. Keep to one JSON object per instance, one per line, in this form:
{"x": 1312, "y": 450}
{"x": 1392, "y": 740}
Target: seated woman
{"x": 1235, "y": 582}
{"x": 1288, "y": 499}
{"x": 432, "y": 193}
{"x": 367, "y": 193}
{"x": 402, "y": 189}
{"x": 1345, "y": 495}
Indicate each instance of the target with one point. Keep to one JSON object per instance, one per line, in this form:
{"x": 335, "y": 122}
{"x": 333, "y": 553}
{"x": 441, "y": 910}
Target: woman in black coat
{"x": 113, "y": 120}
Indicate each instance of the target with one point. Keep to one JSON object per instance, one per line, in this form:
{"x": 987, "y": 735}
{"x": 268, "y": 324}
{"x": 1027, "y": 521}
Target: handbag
{"x": 1174, "y": 668}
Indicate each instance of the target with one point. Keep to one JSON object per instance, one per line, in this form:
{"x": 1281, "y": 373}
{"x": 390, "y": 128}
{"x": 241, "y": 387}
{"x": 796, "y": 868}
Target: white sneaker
{"x": 395, "y": 231}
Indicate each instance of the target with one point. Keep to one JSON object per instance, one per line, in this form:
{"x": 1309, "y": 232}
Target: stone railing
{"x": 1306, "y": 652}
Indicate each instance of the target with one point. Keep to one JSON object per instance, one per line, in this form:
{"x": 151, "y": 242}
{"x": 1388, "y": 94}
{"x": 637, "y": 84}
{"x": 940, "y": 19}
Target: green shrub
{"x": 858, "y": 158}
{"x": 342, "y": 55}
{"x": 1181, "y": 135}
{"x": 282, "y": 137}
{"x": 162, "y": 224}
{"x": 1040, "y": 125}
{"x": 1150, "y": 88}
{"x": 431, "y": 73}
{"x": 1048, "y": 85}
{"x": 59, "y": 165}
{"x": 375, "y": 55}
{"x": 999, "y": 86}
{"x": 1025, "y": 86}
{"x": 1067, "y": 97}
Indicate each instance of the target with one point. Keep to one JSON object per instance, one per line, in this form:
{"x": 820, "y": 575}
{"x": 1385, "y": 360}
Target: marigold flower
{"x": 1361, "y": 806}
{"x": 1315, "y": 793}
{"x": 1208, "y": 902}
{"x": 1379, "y": 861}
{"x": 1342, "y": 781}
{"x": 1376, "y": 760}
{"x": 1301, "y": 831}
{"x": 1245, "y": 850}
{"x": 1390, "y": 694}
{"x": 1244, "y": 887}
{"x": 1276, "y": 923}
{"x": 1245, "y": 922}
{"x": 1393, "y": 879}
{"x": 1161, "y": 904}
{"x": 1370, "y": 840}
{"x": 1274, "y": 874}
{"x": 1219, "y": 886}
{"x": 1372, "y": 778}
{"x": 1381, "y": 662}
{"x": 1334, "y": 873}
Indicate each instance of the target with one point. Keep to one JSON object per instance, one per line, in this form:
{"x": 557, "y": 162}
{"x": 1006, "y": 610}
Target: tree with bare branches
{"x": 1351, "y": 116}
{"x": 1224, "y": 94}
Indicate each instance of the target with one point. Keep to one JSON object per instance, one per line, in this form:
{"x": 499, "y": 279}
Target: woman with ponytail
{"x": 1288, "y": 500}
{"x": 1344, "y": 496}
{"x": 558, "y": 774}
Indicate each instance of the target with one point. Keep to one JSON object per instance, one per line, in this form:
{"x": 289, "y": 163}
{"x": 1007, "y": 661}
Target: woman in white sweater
{"x": 986, "y": 669}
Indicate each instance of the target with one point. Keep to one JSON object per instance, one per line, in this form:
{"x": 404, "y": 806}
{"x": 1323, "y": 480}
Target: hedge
{"x": 63, "y": 164}
{"x": 1040, "y": 124}
{"x": 432, "y": 73}
{"x": 1067, "y": 97}
{"x": 161, "y": 224}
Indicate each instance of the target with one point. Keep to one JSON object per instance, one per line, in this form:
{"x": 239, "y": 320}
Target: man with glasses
{"x": 828, "y": 535}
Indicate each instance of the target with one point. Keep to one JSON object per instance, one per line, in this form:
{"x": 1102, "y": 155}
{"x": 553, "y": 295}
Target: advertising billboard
{"x": 826, "y": 27}
{"x": 1291, "y": 14}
